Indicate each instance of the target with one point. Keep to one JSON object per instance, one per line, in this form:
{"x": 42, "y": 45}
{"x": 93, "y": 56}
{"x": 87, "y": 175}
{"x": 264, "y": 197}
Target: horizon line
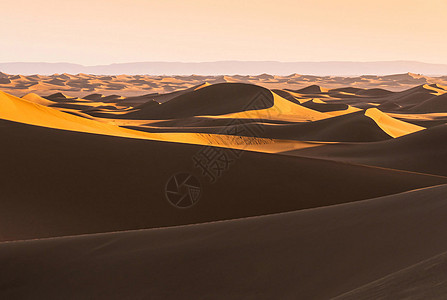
{"x": 220, "y": 61}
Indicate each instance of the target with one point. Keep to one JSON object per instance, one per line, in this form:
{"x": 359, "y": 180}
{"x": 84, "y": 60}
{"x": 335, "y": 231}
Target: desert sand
{"x": 81, "y": 85}
{"x": 308, "y": 187}
{"x": 309, "y": 254}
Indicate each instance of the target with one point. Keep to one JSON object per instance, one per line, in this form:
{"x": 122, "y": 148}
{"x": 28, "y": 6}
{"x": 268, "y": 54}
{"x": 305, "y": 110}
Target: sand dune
{"x": 319, "y": 105}
{"x": 333, "y": 109}
{"x": 356, "y": 166}
{"x": 312, "y": 89}
{"x": 424, "y": 280}
{"x": 281, "y": 110}
{"x": 218, "y": 99}
{"x": 421, "y": 119}
{"x": 37, "y": 99}
{"x": 22, "y": 111}
{"x": 391, "y": 126}
{"x": 100, "y": 196}
{"x": 81, "y": 85}
{"x": 432, "y": 105}
{"x": 373, "y": 92}
{"x": 415, "y": 96}
{"x": 292, "y": 96}
{"x": 311, "y": 254}
{"x": 364, "y": 126}
{"x": 423, "y": 151}
{"x": 58, "y": 97}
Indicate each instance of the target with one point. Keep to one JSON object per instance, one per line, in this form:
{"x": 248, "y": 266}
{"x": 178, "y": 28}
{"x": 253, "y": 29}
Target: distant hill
{"x": 337, "y": 68}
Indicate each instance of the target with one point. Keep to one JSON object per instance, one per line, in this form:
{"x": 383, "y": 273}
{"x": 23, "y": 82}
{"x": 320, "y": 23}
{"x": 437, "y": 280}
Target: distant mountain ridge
{"x": 335, "y": 68}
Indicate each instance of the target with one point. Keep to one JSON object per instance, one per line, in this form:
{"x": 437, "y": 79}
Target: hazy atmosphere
{"x": 94, "y": 32}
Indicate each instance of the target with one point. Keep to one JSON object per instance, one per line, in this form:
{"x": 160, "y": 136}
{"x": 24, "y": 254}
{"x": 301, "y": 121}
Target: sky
{"x": 92, "y": 32}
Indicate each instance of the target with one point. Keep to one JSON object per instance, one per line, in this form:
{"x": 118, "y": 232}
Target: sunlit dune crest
{"x": 391, "y": 126}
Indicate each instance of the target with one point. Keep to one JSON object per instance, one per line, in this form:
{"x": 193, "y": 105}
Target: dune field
{"x": 223, "y": 187}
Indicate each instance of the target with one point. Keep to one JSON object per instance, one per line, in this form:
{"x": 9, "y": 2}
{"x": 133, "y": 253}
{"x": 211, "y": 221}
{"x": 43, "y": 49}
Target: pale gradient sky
{"x": 105, "y": 31}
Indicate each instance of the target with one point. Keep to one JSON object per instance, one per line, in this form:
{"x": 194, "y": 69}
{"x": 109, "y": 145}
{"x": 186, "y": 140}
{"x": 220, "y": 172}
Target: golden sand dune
{"x": 353, "y": 125}
{"x": 422, "y": 119}
{"x": 346, "y": 247}
{"x": 27, "y": 112}
{"x": 217, "y": 99}
{"x": 312, "y": 89}
{"x": 358, "y": 164}
{"x": 81, "y": 85}
{"x": 423, "y": 151}
{"x": 333, "y": 109}
{"x": 281, "y": 110}
{"x": 38, "y": 100}
{"x": 255, "y": 107}
{"x": 360, "y": 126}
{"x": 391, "y": 126}
{"x": 23, "y": 111}
{"x": 435, "y": 89}
{"x": 228, "y": 100}
{"x": 292, "y": 96}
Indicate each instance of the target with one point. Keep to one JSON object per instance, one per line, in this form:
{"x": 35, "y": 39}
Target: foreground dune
{"x": 310, "y": 254}
{"x": 424, "y": 280}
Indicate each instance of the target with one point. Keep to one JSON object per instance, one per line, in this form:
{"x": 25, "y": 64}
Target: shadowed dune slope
{"x": 337, "y": 130}
{"x": 312, "y": 89}
{"x": 165, "y": 97}
{"x": 310, "y": 254}
{"x": 376, "y": 92}
{"x": 57, "y": 182}
{"x": 426, "y": 120}
{"x": 433, "y": 105}
{"x": 289, "y": 96}
{"x": 57, "y": 97}
{"x": 411, "y": 98}
{"x": 372, "y": 125}
{"x": 362, "y": 126}
{"x": 216, "y": 99}
{"x": 324, "y": 107}
{"x": 424, "y": 280}
{"x": 424, "y": 151}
